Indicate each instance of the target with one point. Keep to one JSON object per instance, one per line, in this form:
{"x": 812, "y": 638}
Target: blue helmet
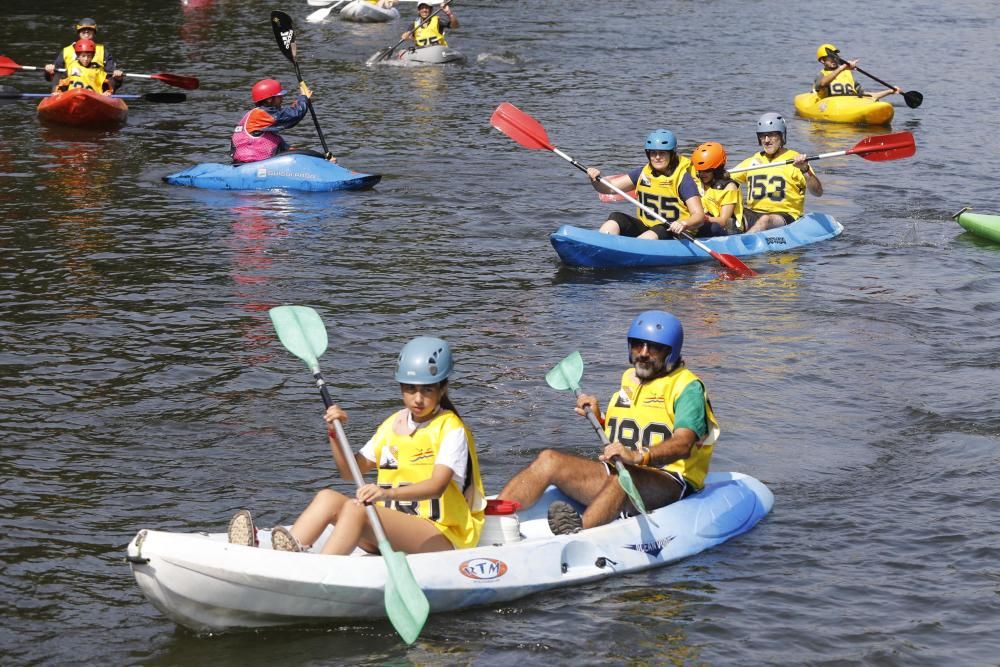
{"x": 657, "y": 326}
{"x": 661, "y": 140}
{"x": 424, "y": 360}
{"x": 772, "y": 122}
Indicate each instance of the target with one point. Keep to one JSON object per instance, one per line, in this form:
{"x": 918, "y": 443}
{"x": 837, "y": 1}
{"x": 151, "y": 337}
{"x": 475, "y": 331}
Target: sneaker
{"x": 563, "y": 519}
{"x": 283, "y": 540}
{"x": 241, "y": 529}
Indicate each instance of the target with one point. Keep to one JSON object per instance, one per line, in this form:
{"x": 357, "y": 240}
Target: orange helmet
{"x": 709, "y": 155}
{"x": 266, "y": 88}
{"x": 84, "y": 46}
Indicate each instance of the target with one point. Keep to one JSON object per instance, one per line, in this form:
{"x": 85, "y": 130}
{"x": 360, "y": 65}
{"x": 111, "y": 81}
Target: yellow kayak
{"x": 844, "y": 109}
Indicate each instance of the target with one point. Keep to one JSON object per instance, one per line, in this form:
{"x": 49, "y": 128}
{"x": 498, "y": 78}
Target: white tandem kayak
{"x": 206, "y": 584}
{"x": 362, "y": 11}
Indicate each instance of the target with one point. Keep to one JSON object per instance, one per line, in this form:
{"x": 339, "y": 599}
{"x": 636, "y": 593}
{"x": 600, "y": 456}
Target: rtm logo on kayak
{"x": 776, "y": 240}
{"x": 483, "y": 568}
{"x": 651, "y": 548}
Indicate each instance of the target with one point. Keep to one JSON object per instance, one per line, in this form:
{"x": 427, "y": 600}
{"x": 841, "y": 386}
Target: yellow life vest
{"x": 713, "y": 199}
{"x": 842, "y": 84}
{"x": 458, "y": 514}
{"x": 69, "y": 56}
{"x": 778, "y": 189}
{"x": 429, "y": 33}
{"x": 642, "y": 414}
{"x": 661, "y": 193}
{"x": 91, "y": 78}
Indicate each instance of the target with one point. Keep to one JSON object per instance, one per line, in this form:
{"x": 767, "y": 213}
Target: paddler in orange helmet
{"x": 257, "y": 136}
{"x": 87, "y": 29}
{"x": 83, "y": 72}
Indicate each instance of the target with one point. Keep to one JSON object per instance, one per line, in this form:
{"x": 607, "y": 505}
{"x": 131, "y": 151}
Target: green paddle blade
{"x": 628, "y": 486}
{"x": 405, "y": 604}
{"x": 566, "y": 374}
{"x": 301, "y": 331}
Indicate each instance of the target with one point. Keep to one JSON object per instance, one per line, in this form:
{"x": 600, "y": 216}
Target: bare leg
{"x": 765, "y": 222}
{"x": 657, "y": 489}
{"x": 406, "y": 532}
{"x": 324, "y": 510}
{"x": 610, "y": 227}
{"x": 578, "y": 478}
{"x": 650, "y": 234}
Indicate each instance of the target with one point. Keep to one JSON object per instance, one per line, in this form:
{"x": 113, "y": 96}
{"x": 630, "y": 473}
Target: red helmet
{"x": 84, "y": 46}
{"x": 266, "y": 88}
{"x": 709, "y": 155}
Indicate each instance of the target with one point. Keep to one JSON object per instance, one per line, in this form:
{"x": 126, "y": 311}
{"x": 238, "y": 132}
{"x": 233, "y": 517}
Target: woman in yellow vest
{"x": 720, "y": 194}
{"x": 87, "y": 29}
{"x": 84, "y": 72}
{"x": 430, "y": 31}
{"x": 836, "y": 77}
{"x": 664, "y": 185}
{"x": 429, "y": 494}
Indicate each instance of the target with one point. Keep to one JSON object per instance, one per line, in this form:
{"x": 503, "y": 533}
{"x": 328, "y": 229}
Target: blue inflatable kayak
{"x": 590, "y": 248}
{"x": 290, "y": 171}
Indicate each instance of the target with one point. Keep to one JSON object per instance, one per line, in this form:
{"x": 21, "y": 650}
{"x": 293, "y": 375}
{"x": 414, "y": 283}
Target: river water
{"x": 141, "y": 384}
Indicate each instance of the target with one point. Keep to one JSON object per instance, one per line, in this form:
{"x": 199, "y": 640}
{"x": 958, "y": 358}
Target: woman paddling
{"x": 428, "y": 495}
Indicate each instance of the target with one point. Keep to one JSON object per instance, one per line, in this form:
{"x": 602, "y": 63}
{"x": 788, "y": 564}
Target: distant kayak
{"x": 204, "y": 583}
{"x": 983, "y": 225}
{"x": 590, "y": 248}
{"x": 79, "y": 107}
{"x": 362, "y": 11}
{"x": 844, "y": 109}
{"x": 432, "y": 55}
{"x": 288, "y": 171}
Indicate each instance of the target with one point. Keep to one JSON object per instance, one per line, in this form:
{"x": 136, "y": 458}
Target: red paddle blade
{"x": 185, "y": 82}
{"x": 520, "y": 127}
{"x": 8, "y": 66}
{"x": 733, "y": 264}
{"x": 895, "y": 146}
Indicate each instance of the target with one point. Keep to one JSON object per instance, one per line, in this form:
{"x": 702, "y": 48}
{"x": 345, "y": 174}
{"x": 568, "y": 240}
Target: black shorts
{"x": 751, "y": 217}
{"x": 686, "y": 488}
{"x": 632, "y": 226}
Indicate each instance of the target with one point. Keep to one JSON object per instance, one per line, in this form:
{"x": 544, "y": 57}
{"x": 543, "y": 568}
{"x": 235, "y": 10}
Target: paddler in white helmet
{"x": 87, "y": 29}
{"x": 430, "y": 31}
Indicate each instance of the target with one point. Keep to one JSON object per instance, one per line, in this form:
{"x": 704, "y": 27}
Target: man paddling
{"x": 837, "y": 78}
{"x": 87, "y": 29}
{"x": 660, "y": 424}
{"x": 431, "y": 32}
{"x": 257, "y": 136}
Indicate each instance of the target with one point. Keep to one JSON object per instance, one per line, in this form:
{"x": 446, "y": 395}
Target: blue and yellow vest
{"x": 660, "y": 193}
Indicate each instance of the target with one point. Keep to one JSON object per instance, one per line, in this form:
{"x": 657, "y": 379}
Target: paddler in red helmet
{"x": 87, "y": 29}
{"x": 83, "y": 72}
{"x": 257, "y": 136}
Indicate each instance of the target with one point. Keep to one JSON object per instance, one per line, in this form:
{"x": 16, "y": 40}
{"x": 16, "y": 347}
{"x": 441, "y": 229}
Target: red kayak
{"x": 83, "y": 108}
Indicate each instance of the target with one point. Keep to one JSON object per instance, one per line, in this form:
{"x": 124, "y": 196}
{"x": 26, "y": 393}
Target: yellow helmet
{"x": 825, "y": 50}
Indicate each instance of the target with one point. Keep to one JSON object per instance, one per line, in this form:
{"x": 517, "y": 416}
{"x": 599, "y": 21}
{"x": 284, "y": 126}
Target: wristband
{"x": 646, "y": 456}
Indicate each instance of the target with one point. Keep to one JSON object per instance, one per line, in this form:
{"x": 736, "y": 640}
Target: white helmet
{"x": 772, "y": 122}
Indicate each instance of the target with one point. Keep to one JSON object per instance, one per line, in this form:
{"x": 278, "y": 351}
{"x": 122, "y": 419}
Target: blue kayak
{"x": 590, "y": 248}
{"x": 289, "y": 171}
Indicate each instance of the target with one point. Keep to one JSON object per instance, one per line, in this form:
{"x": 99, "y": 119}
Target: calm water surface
{"x": 141, "y": 384}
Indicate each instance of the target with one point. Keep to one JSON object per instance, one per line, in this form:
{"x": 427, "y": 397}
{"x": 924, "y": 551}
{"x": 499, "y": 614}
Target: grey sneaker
{"x": 241, "y": 529}
{"x": 563, "y": 519}
{"x": 283, "y": 540}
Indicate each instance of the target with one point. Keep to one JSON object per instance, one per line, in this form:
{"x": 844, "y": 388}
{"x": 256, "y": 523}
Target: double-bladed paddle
{"x": 912, "y": 98}
{"x": 528, "y": 132}
{"x": 163, "y": 98}
{"x": 566, "y": 375}
{"x": 879, "y": 148}
{"x": 8, "y": 67}
{"x": 321, "y": 14}
{"x": 383, "y": 54}
{"x": 303, "y": 333}
{"x": 284, "y": 35}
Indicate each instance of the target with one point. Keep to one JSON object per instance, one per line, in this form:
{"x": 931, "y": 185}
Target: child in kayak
{"x": 83, "y": 72}
{"x": 836, "y": 77}
{"x": 775, "y": 195}
{"x": 87, "y": 29}
{"x": 720, "y": 194}
{"x": 428, "y": 494}
{"x": 430, "y": 32}
{"x": 664, "y": 184}
{"x": 257, "y": 136}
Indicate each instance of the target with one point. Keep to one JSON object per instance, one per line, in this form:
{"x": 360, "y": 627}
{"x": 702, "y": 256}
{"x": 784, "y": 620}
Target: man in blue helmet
{"x": 665, "y": 185}
{"x": 660, "y": 424}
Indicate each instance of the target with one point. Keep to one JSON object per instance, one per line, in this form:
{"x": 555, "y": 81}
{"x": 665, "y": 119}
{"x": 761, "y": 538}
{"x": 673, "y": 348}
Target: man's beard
{"x": 647, "y": 370}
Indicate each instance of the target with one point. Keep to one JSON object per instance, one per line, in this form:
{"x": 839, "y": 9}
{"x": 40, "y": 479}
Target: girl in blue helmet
{"x": 429, "y": 494}
{"x": 664, "y": 185}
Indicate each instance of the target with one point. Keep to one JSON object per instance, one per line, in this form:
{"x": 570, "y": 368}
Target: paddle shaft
{"x": 279, "y": 20}
{"x": 345, "y": 450}
{"x": 635, "y": 201}
{"x": 188, "y": 82}
{"x": 809, "y": 158}
{"x": 913, "y": 98}
{"x": 149, "y": 97}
